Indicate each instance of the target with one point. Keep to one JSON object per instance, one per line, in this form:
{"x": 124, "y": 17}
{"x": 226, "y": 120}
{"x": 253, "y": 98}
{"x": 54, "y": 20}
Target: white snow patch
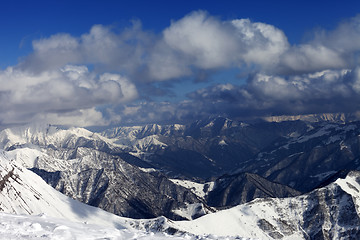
{"x": 190, "y": 211}
{"x": 343, "y": 146}
{"x": 26, "y": 157}
{"x": 44, "y": 227}
{"x": 148, "y": 170}
{"x": 222, "y": 143}
{"x": 200, "y": 189}
{"x": 149, "y": 142}
{"x": 323, "y": 176}
{"x": 352, "y": 187}
{"x": 323, "y": 131}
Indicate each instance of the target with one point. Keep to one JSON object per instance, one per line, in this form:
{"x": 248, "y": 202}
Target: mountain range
{"x": 265, "y": 179}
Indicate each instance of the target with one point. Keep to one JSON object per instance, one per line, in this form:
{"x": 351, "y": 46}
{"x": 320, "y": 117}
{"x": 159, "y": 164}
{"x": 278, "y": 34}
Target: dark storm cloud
{"x": 326, "y": 91}
{"x": 263, "y": 95}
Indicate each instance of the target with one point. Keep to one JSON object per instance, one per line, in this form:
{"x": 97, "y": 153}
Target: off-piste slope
{"x": 331, "y": 212}
{"x": 91, "y": 169}
{"x": 31, "y": 209}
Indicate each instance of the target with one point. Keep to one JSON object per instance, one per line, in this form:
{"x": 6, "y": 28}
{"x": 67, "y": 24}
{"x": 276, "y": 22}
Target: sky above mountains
{"x": 134, "y": 62}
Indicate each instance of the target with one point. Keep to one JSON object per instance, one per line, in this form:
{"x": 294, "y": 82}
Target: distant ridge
{"x": 328, "y": 117}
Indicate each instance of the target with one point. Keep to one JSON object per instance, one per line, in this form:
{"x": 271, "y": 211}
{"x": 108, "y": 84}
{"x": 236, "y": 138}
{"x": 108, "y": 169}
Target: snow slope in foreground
{"x": 43, "y": 227}
{"x": 24, "y": 192}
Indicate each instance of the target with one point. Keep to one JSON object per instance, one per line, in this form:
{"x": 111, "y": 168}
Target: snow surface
{"x": 44, "y": 227}
{"x": 196, "y": 188}
{"x": 222, "y": 143}
{"x": 324, "y": 175}
{"x": 191, "y": 210}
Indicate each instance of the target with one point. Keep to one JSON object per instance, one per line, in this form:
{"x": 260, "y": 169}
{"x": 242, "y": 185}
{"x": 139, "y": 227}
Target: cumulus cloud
{"x": 325, "y": 91}
{"x": 206, "y": 41}
{"x": 54, "y": 82}
{"x": 264, "y": 95}
{"x": 263, "y": 44}
{"x": 66, "y": 90}
{"x": 334, "y": 49}
{"x": 309, "y": 58}
{"x": 201, "y": 41}
{"x": 198, "y": 41}
{"x": 101, "y": 47}
{"x": 78, "y": 118}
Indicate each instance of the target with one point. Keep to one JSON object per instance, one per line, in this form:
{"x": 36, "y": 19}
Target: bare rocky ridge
{"x": 232, "y": 190}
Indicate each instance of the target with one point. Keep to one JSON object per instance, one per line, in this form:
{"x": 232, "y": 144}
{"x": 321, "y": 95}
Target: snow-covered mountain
{"x": 89, "y": 168}
{"x": 188, "y": 171}
{"x": 303, "y": 161}
{"x": 31, "y": 209}
{"x": 203, "y": 149}
{"x": 24, "y": 192}
{"x": 330, "y": 212}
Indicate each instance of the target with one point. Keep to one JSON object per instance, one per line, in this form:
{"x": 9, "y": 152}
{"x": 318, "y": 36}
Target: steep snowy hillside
{"x": 31, "y": 209}
{"x": 331, "y": 212}
{"x": 23, "y": 192}
{"x": 19, "y": 227}
{"x": 25, "y": 227}
{"x": 106, "y": 181}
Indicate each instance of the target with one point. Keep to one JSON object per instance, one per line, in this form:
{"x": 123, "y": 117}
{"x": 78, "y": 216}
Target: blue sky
{"x": 134, "y": 62}
{"x": 24, "y": 21}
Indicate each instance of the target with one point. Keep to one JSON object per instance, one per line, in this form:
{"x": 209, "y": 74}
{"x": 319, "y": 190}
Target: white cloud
{"x": 206, "y": 41}
{"x": 165, "y": 64}
{"x": 54, "y": 84}
{"x": 67, "y": 90}
{"x": 52, "y": 53}
{"x": 320, "y": 85}
{"x": 63, "y": 42}
{"x": 356, "y": 82}
{"x": 309, "y": 58}
{"x": 110, "y": 82}
{"x": 262, "y": 43}
{"x": 78, "y": 118}
{"x": 197, "y": 41}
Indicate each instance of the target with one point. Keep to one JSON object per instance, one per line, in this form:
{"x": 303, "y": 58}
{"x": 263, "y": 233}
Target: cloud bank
{"x": 104, "y": 76}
